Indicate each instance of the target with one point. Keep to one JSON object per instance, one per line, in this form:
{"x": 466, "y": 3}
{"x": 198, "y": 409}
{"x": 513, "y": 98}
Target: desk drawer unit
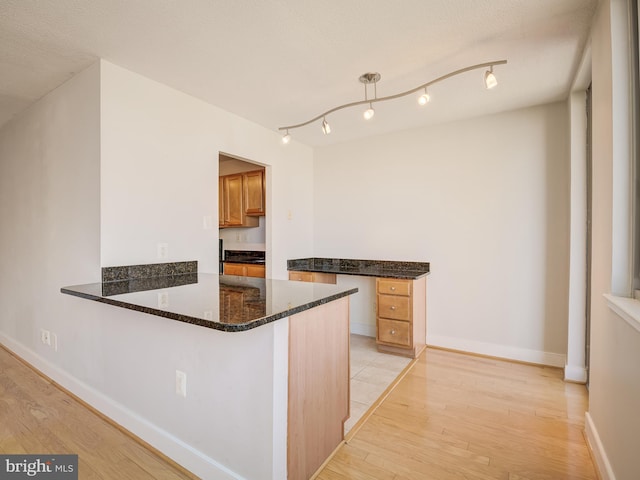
{"x": 401, "y": 315}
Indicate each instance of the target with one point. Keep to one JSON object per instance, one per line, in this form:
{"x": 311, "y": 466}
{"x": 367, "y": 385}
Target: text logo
{"x": 50, "y": 467}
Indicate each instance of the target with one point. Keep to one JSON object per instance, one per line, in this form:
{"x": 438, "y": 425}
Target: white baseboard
{"x": 595, "y": 444}
{"x": 575, "y": 374}
{"x": 174, "y": 448}
{"x": 500, "y": 351}
{"x": 365, "y": 329}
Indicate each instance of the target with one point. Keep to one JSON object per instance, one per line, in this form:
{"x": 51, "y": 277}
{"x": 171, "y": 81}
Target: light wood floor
{"x": 453, "y": 416}
{"x": 36, "y": 417}
{"x": 456, "y": 416}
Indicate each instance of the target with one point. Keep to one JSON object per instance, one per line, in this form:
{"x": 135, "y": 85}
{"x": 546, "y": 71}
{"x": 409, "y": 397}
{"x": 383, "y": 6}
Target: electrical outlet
{"x": 207, "y": 222}
{"x": 163, "y": 251}
{"x": 181, "y": 383}
{"x": 45, "y": 336}
{"x": 208, "y": 314}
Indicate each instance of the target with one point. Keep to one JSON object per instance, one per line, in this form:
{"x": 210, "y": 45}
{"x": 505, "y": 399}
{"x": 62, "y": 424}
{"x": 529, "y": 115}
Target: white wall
{"x": 159, "y": 175}
{"x": 486, "y": 202}
{"x": 614, "y": 388}
{"x": 96, "y": 174}
{"x": 50, "y": 215}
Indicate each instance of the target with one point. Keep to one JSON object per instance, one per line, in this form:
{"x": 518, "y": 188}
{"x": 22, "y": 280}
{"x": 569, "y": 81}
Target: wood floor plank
{"x": 457, "y": 416}
{"x": 37, "y": 417}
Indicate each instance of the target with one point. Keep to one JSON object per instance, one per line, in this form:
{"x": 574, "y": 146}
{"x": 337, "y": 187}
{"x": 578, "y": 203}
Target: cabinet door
{"x": 221, "y": 202}
{"x": 254, "y": 193}
{"x": 301, "y": 276}
{"x": 394, "y": 332}
{"x": 235, "y": 269}
{"x": 255, "y": 271}
{"x": 395, "y": 307}
{"x": 393, "y": 286}
{"x": 233, "y": 205}
{"x": 316, "y": 277}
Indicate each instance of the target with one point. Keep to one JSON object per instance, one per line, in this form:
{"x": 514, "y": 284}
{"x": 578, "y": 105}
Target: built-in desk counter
{"x": 400, "y": 296}
{"x": 367, "y": 268}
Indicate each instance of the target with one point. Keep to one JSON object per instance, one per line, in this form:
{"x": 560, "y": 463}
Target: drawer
{"x": 234, "y": 269}
{"x": 390, "y": 286}
{"x": 255, "y": 271}
{"x": 301, "y": 276}
{"x": 391, "y": 306}
{"x": 316, "y": 277}
{"x": 393, "y": 332}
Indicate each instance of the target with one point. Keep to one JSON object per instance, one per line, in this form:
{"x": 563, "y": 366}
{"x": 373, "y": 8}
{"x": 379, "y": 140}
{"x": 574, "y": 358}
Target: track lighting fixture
{"x": 369, "y": 112}
{"x": 424, "y": 98}
{"x": 372, "y": 78}
{"x": 490, "y": 80}
{"x": 326, "y": 128}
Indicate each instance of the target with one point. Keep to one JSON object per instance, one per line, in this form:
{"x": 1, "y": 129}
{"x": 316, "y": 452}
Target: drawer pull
{"x": 393, "y": 289}
{"x": 393, "y": 332}
{"x": 392, "y": 307}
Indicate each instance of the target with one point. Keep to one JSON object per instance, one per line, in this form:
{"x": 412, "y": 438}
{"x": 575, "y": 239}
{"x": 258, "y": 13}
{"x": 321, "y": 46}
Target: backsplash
{"x": 135, "y": 272}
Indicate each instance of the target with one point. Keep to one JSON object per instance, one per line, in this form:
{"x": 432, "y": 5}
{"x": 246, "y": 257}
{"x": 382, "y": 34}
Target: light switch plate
{"x": 181, "y": 383}
{"x": 163, "y": 251}
{"x": 163, "y": 299}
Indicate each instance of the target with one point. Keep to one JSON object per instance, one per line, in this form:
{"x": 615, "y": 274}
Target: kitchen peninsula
{"x": 278, "y": 391}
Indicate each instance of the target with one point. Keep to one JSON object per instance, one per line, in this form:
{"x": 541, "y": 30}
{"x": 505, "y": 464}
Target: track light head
{"x": 326, "y": 128}
{"x": 369, "y": 113}
{"x": 424, "y": 98}
{"x": 286, "y": 138}
{"x": 490, "y": 80}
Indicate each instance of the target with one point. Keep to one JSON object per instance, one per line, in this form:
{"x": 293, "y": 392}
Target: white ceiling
{"x": 281, "y": 62}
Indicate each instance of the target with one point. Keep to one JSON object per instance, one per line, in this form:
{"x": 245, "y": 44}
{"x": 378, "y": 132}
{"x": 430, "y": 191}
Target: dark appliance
{"x": 221, "y": 257}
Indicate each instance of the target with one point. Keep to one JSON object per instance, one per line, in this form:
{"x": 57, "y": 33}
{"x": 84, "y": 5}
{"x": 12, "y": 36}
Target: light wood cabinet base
{"x": 315, "y": 277}
{"x": 318, "y": 386}
{"x": 405, "y": 352}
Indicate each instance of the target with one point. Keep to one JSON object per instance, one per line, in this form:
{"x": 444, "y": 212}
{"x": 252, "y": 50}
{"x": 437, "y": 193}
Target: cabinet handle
{"x": 392, "y": 307}
{"x": 393, "y": 289}
{"x": 393, "y": 332}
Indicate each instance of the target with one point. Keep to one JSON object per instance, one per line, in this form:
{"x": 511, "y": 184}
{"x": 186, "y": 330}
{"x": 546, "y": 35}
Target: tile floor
{"x": 371, "y": 373}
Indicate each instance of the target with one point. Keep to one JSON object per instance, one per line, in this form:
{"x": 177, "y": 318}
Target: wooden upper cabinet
{"x": 221, "y": 202}
{"x": 254, "y": 198}
{"x": 232, "y": 203}
{"x": 241, "y": 199}
{"x": 234, "y": 208}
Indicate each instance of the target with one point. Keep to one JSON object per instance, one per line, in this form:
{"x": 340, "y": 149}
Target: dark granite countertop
{"x": 221, "y": 302}
{"x": 244, "y": 256}
{"x": 367, "y": 268}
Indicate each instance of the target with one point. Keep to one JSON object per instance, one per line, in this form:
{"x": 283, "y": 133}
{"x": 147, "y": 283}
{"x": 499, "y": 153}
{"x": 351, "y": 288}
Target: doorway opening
{"x": 242, "y": 215}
